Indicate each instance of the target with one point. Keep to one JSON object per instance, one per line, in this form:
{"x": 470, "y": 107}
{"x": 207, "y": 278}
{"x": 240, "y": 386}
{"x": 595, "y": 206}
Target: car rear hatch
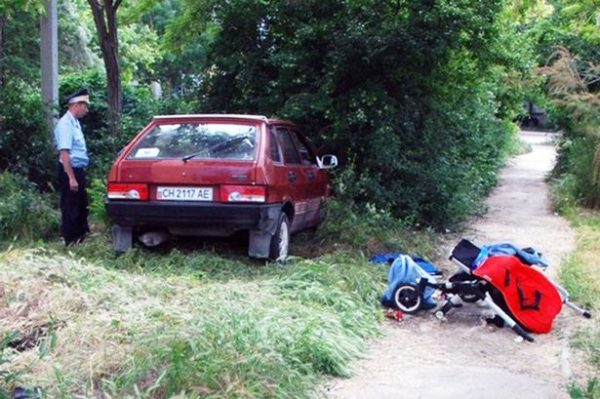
{"x": 191, "y": 160}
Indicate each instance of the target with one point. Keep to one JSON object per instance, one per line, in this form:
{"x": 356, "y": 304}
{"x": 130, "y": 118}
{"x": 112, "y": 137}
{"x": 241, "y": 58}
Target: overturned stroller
{"x": 503, "y": 276}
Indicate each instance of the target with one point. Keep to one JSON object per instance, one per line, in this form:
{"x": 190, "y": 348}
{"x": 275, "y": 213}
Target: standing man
{"x": 72, "y": 162}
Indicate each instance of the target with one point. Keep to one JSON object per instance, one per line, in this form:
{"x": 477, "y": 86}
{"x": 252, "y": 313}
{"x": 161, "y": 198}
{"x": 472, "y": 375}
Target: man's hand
{"x": 73, "y": 185}
{"x": 66, "y": 162}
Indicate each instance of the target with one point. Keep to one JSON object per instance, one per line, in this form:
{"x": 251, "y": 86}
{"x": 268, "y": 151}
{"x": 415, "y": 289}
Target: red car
{"x": 216, "y": 175}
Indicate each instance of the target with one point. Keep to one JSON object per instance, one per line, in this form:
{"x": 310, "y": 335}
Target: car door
{"x": 315, "y": 181}
{"x": 290, "y": 175}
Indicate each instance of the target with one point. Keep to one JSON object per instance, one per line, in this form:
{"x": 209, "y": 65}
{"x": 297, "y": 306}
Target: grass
{"x": 580, "y": 275}
{"x": 194, "y": 318}
{"x": 83, "y": 322}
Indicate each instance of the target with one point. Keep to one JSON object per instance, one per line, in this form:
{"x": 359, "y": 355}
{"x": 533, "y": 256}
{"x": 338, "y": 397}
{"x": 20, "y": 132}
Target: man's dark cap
{"x": 82, "y": 96}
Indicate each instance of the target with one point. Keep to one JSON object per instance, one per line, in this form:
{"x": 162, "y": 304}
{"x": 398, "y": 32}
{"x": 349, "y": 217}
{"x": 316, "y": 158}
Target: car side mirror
{"x": 327, "y": 161}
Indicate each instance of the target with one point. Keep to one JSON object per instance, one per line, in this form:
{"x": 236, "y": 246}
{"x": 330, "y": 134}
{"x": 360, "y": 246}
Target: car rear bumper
{"x": 231, "y": 217}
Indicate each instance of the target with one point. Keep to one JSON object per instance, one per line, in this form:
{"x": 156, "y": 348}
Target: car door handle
{"x": 311, "y": 176}
{"x": 292, "y": 177}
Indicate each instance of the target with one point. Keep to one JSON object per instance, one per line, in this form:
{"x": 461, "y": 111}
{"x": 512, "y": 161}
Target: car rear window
{"x": 198, "y": 140}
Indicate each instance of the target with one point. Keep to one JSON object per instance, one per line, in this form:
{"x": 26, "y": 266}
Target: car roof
{"x": 260, "y": 118}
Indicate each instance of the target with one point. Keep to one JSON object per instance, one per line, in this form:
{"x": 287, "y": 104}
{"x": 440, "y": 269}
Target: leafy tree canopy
{"x": 9, "y": 7}
{"x": 401, "y": 90}
{"x": 417, "y": 98}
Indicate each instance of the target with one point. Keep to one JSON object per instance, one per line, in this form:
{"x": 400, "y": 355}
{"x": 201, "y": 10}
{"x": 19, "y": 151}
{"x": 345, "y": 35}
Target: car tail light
{"x": 243, "y": 193}
{"x": 129, "y": 191}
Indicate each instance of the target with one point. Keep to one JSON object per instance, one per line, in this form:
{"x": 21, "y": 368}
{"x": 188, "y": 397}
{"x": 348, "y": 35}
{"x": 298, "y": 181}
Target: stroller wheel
{"x": 407, "y": 298}
{"x": 439, "y": 315}
{"x": 469, "y": 298}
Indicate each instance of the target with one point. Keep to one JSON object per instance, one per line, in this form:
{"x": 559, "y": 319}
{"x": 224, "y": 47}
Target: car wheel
{"x": 280, "y": 242}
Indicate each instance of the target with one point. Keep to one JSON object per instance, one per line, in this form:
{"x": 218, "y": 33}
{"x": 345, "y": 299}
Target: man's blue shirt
{"x": 68, "y": 136}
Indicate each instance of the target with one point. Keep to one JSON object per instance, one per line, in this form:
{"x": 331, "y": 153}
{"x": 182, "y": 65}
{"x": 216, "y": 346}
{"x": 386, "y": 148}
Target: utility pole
{"x": 49, "y": 59}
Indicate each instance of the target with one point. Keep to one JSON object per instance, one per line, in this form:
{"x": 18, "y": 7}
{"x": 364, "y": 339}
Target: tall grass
{"x": 243, "y": 331}
{"x": 580, "y": 275}
{"x": 182, "y": 320}
{"x": 25, "y": 214}
{"x": 369, "y": 230}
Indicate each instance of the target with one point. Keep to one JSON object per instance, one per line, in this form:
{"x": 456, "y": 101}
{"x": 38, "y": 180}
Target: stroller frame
{"x": 464, "y": 286}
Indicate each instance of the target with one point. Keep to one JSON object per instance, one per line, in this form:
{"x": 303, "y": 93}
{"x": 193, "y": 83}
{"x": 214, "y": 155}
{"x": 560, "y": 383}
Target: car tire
{"x": 280, "y": 242}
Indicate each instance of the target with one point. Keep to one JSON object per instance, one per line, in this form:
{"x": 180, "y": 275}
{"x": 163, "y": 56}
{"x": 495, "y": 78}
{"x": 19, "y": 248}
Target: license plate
{"x": 165, "y": 193}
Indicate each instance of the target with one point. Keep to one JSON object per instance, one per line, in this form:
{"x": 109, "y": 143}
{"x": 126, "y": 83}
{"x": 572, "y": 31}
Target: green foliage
{"x": 590, "y": 391}
{"x": 76, "y": 43}
{"x": 26, "y": 144}
{"x": 581, "y": 277}
{"x": 17, "y": 19}
{"x": 97, "y": 195}
{"x": 568, "y": 43}
{"x": 367, "y": 229}
{"x": 20, "y": 58}
{"x": 360, "y": 77}
{"x": 582, "y": 17}
{"x": 8, "y": 7}
{"x": 577, "y": 281}
{"x": 413, "y": 98}
{"x": 575, "y": 172}
{"x": 563, "y": 195}
{"x": 25, "y": 213}
{"x": 137, "y": 50}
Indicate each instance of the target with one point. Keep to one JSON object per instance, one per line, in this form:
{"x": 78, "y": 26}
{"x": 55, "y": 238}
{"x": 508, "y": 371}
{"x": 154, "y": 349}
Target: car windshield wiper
{"x": 193, "y": 155}
{"x": 216, "y": 147}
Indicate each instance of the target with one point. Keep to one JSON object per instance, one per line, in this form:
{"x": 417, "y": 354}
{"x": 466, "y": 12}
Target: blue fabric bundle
{"x": 528, "y": 255}
{"x": 406, "y": 271}
{"x": 390, "y": 257}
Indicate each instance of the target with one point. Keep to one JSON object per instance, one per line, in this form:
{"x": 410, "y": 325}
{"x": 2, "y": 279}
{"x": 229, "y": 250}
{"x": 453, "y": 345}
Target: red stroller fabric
{"x": 531, "y": 298}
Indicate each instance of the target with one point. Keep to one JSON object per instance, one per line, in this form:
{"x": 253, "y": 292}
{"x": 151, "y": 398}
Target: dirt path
{"x": 463, "y": 357}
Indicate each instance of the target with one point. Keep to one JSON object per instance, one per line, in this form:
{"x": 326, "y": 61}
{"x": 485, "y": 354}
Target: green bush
{"x": 97, "y": 195}
{"x": 421, "y": 140}
{"x": 24, "y": 212}
{"x": 364, "y": 228}
{"x": 26, "y": 145}
{"x": 564, "y": 190}
{"x": 575, "y": 169}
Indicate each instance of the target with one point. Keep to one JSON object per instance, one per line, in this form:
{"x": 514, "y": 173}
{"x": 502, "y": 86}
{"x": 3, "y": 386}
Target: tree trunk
{"x": 105, "y": 19}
